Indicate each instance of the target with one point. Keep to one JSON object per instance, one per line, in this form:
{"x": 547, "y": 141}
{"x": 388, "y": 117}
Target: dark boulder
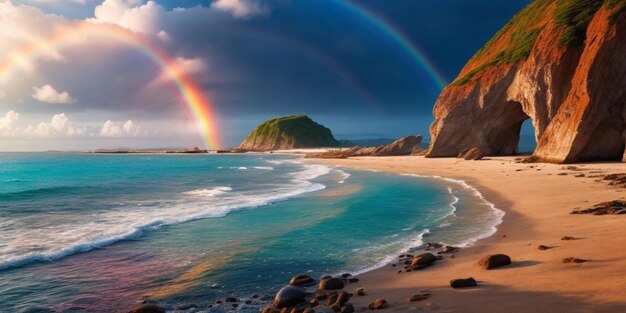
{"x": 423, "y": 260}
{"x": 494, "y": 260}
{"x": 289, "y": 296}
{"x": 463, "y": 283}
{"x": 333, "y": 283}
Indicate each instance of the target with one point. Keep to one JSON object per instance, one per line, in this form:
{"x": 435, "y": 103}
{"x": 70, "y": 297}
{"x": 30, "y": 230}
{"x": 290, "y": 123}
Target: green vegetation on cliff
{"x": 618, "y": 6}
{"x": 574, "y": 16}
{"x": 289, "y": 132}
{"x": 515, "y": 41}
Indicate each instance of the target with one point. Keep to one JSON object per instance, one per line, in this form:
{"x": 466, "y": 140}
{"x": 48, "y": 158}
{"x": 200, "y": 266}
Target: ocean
{"x": 99, "y": 233}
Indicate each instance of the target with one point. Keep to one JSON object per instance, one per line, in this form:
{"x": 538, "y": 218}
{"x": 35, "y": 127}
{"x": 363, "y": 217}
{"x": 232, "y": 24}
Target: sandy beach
{"x": 537, "y": 200}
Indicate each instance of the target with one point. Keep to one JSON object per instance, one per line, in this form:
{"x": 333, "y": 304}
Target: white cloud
{"x": 240, "y": 8}
{"x": 21, "y": 25}
{"x": 59, "y": 126}
{"x": 111, "y": 129}
{"x": 164, "y": 36}
{"x": 48, "y": 94}
{"x": 130, "y": 14}
{"x": 8, "y": 123}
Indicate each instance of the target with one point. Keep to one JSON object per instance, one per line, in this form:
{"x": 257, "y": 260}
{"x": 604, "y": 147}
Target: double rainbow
{"x": 191, "y": 96}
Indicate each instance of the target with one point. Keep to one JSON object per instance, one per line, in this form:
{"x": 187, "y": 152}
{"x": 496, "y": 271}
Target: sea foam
{"x": 23, "y": 246}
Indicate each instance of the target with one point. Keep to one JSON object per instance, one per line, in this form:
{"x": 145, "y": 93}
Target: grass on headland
{"x": 573, "y": 16}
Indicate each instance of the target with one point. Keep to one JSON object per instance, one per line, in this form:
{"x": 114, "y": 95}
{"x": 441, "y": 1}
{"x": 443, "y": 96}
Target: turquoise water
{"x": 98, "y": 233}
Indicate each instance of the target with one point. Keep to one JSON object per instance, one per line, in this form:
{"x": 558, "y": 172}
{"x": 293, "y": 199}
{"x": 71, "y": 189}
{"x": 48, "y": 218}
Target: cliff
{"x": 558, "y": 62}
{"x": 288, "y": 133}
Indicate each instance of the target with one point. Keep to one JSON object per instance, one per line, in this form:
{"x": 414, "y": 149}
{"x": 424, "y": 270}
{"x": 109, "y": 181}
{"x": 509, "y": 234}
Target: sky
{"x": 350, "y": 65}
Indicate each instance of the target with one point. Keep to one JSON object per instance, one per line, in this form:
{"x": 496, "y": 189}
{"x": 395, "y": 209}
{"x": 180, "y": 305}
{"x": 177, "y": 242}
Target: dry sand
{"x": 537, "y": 201}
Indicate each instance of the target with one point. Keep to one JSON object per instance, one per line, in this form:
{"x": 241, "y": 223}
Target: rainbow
{"x": 191, "y": 96}
{"x": 418, "y": 56}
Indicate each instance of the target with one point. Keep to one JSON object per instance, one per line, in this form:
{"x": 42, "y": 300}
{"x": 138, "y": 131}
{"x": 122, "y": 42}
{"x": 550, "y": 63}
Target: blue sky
{"x": 256, "y": 59}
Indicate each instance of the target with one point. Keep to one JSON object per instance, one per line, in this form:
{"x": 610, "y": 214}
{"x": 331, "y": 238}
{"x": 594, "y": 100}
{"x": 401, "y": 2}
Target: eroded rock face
{"x": 574, "y": 94}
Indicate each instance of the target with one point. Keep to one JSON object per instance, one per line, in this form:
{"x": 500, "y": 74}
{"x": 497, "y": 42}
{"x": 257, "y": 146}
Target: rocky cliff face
{"x": 561, "y": 63}
{"x": 288, "y": 133}
{"x": 403, "y": 146}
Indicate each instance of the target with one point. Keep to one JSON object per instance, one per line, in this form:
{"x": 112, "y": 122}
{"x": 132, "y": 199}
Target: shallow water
{"x": 99, "y": 232}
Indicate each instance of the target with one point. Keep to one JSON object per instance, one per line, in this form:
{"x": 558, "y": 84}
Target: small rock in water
{"x": 346, "y": 275}
{"x": 463, "y": 283}
{"x": 331, "y": 284}
{"x": 230, "y": 299}
{"x": 378, "y": 304}
{"x": 433, "y": 245}
{"x": 147, "y": 308}
{"x": 302, "y": 280}
{"x": 573, "y": 260}
{"x": 495, "y": 260}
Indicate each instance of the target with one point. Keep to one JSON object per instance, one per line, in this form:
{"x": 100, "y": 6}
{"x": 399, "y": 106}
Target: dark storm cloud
{"x": 313, "y": 57}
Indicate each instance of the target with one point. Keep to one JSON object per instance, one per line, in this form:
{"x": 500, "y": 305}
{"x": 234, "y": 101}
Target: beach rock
{"x": 360, "y": 291}
{"x": 346, "y": 275}
{"x": 495, "y": 260}
{"x": 348, "y": 308}
{"x": 463, "y": 283}
{"x": 270, "y": 310}
{"x": 542, "y": 247}
{"x": 147, "y": 308}
{"x": 614, "y": 207}
{"x": 418, "y": 297}
{"x": 342, "y": 298}
{"x": 302, "y": 280}
{"x": 333, "y": 283}
{"x": 289, "y": 296}
{"x": 320, "y": 295}
{"x": 308, "y": 310}
{"x": 573, "y": 260}
{"x": 423, "y": 260}
{"x": 433, "y": 245}
{"x": 403, "y": 146}
{"x": 352, "y": 280}
{"x": 567, "y": 238}
{"x": 314, "y": 302}
{"x": 378, "y": 304}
